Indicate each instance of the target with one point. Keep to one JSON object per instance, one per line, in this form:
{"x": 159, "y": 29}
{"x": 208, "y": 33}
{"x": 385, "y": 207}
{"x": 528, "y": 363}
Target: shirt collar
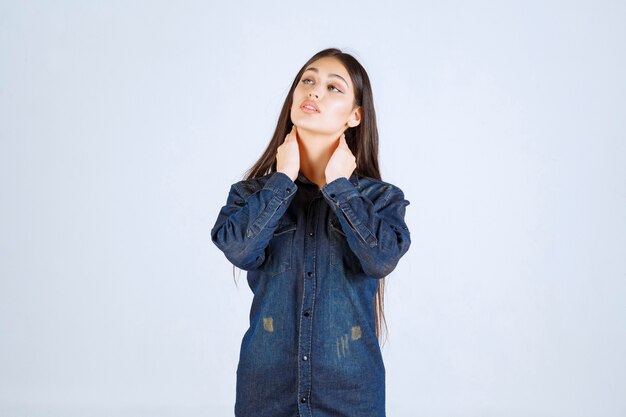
{"x": 354, "y": 178}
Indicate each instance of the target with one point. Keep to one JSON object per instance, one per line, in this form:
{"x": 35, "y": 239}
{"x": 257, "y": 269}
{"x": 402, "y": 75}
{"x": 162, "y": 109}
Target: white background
{"x": 123, "y": 124}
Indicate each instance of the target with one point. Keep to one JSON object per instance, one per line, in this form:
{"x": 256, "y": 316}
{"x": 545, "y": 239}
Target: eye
{"x": 331, "y": 86}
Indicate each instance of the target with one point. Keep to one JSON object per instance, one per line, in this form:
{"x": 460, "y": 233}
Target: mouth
{"x": 309, "y": 107}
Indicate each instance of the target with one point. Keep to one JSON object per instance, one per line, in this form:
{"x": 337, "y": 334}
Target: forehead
{"x": 330, "y": 65}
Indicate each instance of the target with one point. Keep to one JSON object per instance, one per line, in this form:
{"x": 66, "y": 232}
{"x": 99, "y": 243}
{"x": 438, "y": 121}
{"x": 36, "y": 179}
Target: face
{"x": 325, "y": 84}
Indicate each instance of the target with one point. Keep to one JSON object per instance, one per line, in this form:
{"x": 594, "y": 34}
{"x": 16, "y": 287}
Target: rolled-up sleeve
{"x": 376, "y": 231}
{"x": 246, "y": 224}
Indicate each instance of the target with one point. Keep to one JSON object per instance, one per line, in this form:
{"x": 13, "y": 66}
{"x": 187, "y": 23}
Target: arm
{"x": 246, "y": 224}
{"x": 376, "y": 231}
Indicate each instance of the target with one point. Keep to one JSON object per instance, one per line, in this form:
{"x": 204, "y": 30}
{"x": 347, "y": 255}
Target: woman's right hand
{"x": 288, "y": 155}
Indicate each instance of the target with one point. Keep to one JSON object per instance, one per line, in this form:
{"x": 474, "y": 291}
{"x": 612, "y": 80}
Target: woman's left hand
{"x": 342, "y": 162}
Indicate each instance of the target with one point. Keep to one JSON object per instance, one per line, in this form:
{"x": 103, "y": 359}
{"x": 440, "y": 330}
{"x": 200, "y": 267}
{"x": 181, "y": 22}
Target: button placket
{"x": 308, "y": 301}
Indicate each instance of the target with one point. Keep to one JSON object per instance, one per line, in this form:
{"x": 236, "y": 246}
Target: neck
{"x": 315, "y": 152}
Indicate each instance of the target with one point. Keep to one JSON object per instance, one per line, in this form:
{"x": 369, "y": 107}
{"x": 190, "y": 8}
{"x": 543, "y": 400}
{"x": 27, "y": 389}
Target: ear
{"x": 355, "y": 118}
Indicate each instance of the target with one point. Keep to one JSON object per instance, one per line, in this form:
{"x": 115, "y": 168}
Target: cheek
{"x": 297, "y": 97}
{"x": 340, "y": 110}
{"x": 299, "y": 90}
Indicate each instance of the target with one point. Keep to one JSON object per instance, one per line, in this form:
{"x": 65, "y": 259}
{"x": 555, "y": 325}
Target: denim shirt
{"x": 313, "y": 258}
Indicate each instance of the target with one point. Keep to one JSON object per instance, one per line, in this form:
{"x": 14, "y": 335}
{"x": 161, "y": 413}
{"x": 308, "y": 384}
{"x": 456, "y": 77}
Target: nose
{"x": 313, "y": 91}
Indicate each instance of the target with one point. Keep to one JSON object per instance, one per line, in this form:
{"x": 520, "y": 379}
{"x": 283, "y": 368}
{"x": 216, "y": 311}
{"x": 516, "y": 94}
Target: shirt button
{"x": 310, "y": 233}
{"x": 332, "y": 195}
{"x": 302, "y": 400}
{"x": 305, "y": 357}
{"x": 306, "y": 314}
{"x": 288, "y": 190}
{"x": 309, "y": 273}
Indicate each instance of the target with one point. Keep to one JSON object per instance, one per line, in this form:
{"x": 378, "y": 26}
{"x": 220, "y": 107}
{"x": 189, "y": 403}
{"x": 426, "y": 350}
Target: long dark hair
{"x": 361, "y": 139}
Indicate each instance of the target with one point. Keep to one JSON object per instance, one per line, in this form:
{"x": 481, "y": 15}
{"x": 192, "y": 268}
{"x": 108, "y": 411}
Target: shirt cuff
{"x": 339, "y": 189}
{"x": 282, "y": 186}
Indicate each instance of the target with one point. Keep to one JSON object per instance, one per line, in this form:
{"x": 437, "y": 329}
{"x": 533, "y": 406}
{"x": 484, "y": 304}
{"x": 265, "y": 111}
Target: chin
{"x": 304, "y": 122}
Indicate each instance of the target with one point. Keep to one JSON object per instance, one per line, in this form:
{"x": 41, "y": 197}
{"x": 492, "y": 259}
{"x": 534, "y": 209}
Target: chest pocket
{"x": 341, "y": 256}
{"x": 278, "y": 253}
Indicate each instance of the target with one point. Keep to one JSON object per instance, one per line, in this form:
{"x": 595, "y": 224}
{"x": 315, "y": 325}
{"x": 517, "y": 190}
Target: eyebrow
{"x": 331, "y": 75}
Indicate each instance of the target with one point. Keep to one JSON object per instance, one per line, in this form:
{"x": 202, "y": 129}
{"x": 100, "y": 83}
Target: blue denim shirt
{"x": 313, "y": 258}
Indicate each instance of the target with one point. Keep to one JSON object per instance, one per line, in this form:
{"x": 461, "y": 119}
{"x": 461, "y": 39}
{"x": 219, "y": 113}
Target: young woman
{"x": 317, "y": 230}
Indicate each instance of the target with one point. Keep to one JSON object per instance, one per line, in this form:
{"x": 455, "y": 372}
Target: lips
{"x": 309, "y": 105}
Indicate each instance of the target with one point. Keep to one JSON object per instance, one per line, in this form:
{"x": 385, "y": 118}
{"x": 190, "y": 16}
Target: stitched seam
{"x": 356, "y": 228}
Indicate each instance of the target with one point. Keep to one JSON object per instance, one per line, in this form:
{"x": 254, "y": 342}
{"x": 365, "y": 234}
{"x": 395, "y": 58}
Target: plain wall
{"x": 123, "y": 124}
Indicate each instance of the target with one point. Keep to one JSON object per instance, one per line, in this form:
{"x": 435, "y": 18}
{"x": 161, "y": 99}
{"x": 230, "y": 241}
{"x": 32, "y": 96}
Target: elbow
{"x": 237, "y": 252}
{"x": 380, "y": 269}
{"x": 384, "y": 264}
{"x": 243, "y": 260}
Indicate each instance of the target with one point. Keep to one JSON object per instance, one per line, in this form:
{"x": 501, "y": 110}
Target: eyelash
{"x": 308, "y": 79}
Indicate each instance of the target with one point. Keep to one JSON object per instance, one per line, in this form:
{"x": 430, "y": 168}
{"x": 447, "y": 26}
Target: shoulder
{"x": 370, "y": 187}
{"x": 250, "y": 186}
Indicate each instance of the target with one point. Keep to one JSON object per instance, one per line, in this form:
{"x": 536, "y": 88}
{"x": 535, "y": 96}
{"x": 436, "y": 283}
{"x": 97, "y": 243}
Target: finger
{"x": 294, "y": 132}
{"x": 290, "y": 134}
